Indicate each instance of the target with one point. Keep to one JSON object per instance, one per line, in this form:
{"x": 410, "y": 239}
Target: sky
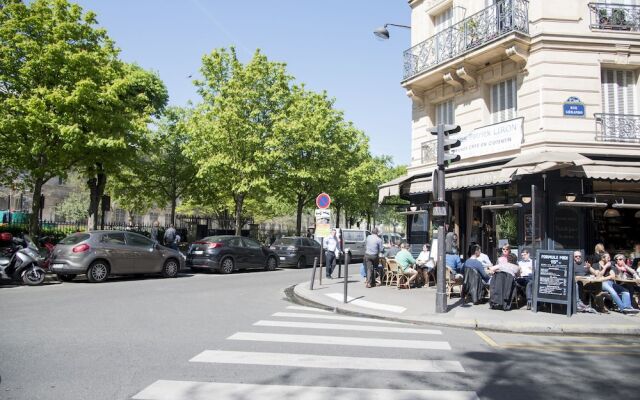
{"x": 326, "y": 44}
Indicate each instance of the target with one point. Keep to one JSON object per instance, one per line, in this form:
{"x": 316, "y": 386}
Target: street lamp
{"x": 383, "y": 32}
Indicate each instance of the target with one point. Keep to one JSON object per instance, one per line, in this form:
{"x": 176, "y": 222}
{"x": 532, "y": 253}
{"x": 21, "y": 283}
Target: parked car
{"x": 226, "y": 253}
{"x": 99, "y": 254}
{"x": 354, "y": 239}
{"x": 296, "y": 251}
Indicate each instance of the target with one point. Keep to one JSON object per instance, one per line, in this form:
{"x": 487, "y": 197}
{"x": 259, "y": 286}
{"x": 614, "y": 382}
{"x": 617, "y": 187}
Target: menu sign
{"x": 554, "y": 280}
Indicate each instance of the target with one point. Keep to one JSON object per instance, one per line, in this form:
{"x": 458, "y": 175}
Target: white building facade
{"x": 546, "y": 95}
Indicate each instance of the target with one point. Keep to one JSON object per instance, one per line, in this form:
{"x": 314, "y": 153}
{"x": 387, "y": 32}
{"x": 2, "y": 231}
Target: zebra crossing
{"x": 302, "y": 327}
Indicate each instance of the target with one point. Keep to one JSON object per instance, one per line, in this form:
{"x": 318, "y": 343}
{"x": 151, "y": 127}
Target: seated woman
{"x": 406, "y": 262}
{"x": 619, "y": 294}
{"x": 425, "y": 262}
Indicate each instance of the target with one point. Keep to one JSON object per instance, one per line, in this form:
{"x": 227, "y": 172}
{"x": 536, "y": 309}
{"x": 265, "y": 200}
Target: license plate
{"x": 281, "y": 258}
{"x": 197, "y": 252}
{"x": 57, "y": 266}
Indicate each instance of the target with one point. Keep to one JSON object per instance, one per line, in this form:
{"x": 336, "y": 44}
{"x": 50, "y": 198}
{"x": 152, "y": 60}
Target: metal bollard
{"x": 320, "y": 276}
{"x": 347, "y": 260}
{"x": 339, "y": 267}
{"x": 313, "y": 272}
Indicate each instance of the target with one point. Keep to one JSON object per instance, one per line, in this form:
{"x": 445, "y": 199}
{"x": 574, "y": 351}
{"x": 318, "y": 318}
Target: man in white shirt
{"x": 331, "y": 247}
{"x": 425, "y": 262}
{"x": 480, "y": 256}
{"x": 526, "y": 275}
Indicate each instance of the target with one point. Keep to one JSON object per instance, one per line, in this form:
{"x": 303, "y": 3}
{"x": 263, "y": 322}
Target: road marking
{"x": 189, "y": 390}
{"x": 565, "y": 347}
{"x": 319, "y": 361}
{"x": 335, "y": 317}
{"x": 303, "y": 308}
{"x": 341, "y": 340}
{"x": 367, "y": 304}
{"x": 345, "y": 327}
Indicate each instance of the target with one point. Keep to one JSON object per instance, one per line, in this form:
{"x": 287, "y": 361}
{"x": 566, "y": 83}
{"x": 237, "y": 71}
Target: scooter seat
{"x": 4, "y": 262}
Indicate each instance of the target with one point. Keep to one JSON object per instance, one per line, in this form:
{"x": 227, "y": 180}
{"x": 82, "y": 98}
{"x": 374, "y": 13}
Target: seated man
{"x": 474, "y": 263}
{"x": 406, "y": 262}
{"x": 452, "y": 259}
{"x": 619, "y": 294}
{"x": 425, "y": 262}
{"x": 392, "y": 251}
{"x": 477, "y": 254}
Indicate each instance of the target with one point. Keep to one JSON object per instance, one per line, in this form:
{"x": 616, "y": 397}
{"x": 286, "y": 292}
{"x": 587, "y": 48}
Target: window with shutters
{"x": 618, "y": 91}
{"x": 504, "y": 104}
{"x": 443, "y": 20}
{"x": 444, "y": 113}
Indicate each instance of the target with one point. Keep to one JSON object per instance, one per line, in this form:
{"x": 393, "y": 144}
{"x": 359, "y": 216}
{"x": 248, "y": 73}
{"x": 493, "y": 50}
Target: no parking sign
{"x": 323, "y": 201}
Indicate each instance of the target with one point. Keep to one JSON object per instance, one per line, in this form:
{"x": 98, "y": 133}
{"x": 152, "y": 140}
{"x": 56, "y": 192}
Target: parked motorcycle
{"x": 24, "y": 264}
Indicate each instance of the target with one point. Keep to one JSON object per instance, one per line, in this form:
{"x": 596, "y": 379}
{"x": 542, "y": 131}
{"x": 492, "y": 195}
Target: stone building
{"x": 546, "y": 95}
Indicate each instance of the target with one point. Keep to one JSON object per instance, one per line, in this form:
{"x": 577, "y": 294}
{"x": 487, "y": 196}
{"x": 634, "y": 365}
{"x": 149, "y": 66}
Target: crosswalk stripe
{"x": 319, "y": 361}
{"x": 304, "y": 308}
{"x": 341, "y": 340}
{"x": 367, "y": 304}
{"x": 335, "y": 317}
{"x": 346, "y": 327}
{"x": 189, "y": 390}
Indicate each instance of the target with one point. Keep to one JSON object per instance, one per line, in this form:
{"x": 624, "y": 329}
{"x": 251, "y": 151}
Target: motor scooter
{"x": 24, "y": 264}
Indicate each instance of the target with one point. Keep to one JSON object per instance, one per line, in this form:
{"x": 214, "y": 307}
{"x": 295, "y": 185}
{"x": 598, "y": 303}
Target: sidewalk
{"x": 418, "y": 306}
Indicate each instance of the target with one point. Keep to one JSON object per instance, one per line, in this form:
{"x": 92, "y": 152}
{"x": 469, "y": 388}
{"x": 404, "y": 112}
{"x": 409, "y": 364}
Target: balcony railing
{"x": 475, "y": 31}
{"x": 623, "y": 128}
{"x": 621, "y": 17}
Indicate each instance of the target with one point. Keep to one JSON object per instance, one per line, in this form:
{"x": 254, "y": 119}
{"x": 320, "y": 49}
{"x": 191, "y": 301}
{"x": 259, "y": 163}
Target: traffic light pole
{"x": 441, "y": 295}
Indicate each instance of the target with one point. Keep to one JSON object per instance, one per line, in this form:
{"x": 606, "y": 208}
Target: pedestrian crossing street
{"x": 287, "y": 331}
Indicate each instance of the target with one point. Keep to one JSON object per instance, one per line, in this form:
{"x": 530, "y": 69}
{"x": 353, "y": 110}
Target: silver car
{"x": 99, "y": 254}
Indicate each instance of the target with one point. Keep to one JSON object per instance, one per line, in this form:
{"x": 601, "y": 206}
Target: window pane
{"x": 113, "y": 238}
{"x": 251, "y": 243}
{"x": 138, "y": 240}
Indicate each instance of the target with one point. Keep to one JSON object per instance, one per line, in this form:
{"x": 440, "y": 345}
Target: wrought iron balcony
{"x": 621, "y": 17}
{"x": 471, "y": 33}
{"x": 618, "y": 128}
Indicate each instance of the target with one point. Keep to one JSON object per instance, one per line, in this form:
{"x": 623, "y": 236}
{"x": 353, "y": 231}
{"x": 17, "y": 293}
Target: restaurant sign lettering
{"x": 491, "y": 139}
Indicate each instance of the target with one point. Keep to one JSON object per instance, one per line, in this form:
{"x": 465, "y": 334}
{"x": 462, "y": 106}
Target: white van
{"x": 354, "y": 240}
{"x": 391, "y": 238}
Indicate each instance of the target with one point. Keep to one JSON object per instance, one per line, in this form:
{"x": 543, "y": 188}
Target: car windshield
{"x": 285, "y": 242}
{"x": 75, "y": 238}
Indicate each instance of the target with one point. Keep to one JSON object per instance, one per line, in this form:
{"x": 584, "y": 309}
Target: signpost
{"x": 323, "y": 201}
{"x": 554, "y": 280}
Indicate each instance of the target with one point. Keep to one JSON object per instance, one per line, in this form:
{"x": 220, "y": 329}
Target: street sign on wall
{"x": 573, "y": 107}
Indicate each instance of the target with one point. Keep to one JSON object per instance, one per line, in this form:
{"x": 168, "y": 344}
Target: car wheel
{"x": 66, "y": 277}
{"x": 226, "y": 266}
{"x": 272, "y": 264}
{"x": 33, "y": 276}
{"x": 170, "y": 269}
{"x": 302, "y": 263}
{"x": 98, "y": 271}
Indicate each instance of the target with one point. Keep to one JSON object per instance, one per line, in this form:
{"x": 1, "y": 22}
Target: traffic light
{"x": 445, "y": 143}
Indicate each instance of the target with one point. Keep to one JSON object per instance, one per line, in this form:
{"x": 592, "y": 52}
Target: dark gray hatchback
{"x": 296, "y": 251}
{"x": 226, "y": 254}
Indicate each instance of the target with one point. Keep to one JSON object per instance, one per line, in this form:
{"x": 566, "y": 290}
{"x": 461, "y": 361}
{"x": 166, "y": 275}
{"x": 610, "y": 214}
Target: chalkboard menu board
{"x": 554, "y": 280}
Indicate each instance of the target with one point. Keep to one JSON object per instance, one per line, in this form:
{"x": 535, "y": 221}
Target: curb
{"x": 297, "y": 295}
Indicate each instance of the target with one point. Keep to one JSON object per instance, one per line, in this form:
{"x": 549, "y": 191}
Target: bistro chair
{"x": 391, "y": 271}
{"x": 452, "y": 282}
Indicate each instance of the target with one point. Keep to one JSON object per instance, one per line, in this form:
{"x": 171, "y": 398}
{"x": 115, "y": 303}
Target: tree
{"x": 312, "y": 140}
{"x": 75, "y": 206}
{"x": 233, "y": 144}
{"x": 161, "y": 174}
{"x": 64, "y": 95}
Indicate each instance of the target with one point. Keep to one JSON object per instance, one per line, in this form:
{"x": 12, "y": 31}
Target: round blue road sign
{"x": 323, "y": 200}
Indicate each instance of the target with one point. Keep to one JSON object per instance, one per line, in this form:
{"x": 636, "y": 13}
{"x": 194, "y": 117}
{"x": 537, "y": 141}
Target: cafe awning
{"x": 533, "y": 163}
{"x": 391, "y": 188}
{"x": 608, "y": 170}
{"x": 465, "y": 179}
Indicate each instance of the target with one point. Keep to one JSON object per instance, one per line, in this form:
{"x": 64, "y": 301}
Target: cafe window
{"x": 503, "y": 101}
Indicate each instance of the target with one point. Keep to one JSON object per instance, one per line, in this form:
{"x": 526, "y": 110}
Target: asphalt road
{"x": 238, "y": 337}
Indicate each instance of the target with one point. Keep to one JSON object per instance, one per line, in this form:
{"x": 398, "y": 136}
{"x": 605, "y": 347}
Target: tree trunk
{"x": 368, "y": 220}
{"x": 299, "y": 208}
{"x": 174, "y": 200}
{"x": 34, "y": 219}
{"x": 239, "y": 199}
{"x": 337, "y": 215}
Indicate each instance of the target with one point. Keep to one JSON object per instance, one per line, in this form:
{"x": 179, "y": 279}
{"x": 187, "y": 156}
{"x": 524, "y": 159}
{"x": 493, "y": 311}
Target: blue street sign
{"x": 573, "y": 107}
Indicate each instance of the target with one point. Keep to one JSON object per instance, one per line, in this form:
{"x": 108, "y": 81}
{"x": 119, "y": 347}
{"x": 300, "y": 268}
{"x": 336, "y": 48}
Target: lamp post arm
{"x": 399, "y": 26}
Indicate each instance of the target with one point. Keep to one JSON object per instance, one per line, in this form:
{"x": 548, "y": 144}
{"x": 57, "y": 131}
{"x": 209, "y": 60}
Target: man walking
{"x": 170, "y": 237}
{"x": 331, "y": 246}
{"x": 373, "y": 249}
